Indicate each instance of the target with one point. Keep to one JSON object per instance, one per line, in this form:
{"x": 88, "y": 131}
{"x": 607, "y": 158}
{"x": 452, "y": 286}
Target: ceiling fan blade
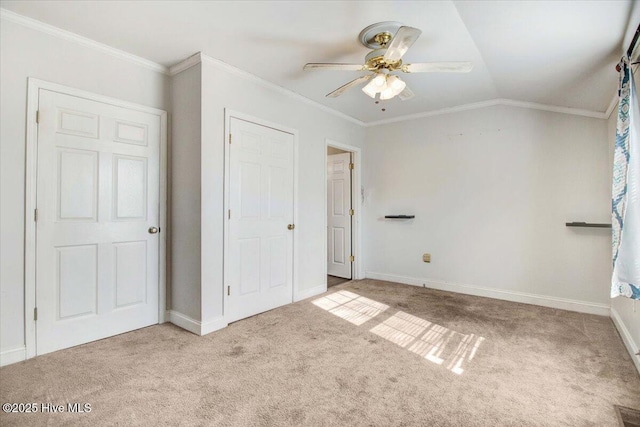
{"x": 406, "y": 94}
{"x": 400, "y": 43}
{"x": 349, "y": 85}
{"x": 333, "y": 67}
{"x": 438, "y": 67}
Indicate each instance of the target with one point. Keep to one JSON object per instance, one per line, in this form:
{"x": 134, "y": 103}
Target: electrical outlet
{"x": 426, "y": 257}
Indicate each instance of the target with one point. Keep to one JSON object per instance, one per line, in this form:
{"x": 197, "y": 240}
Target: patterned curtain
{"x": 625, "y": 201}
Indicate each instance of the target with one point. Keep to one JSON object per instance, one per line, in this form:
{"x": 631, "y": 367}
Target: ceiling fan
{"x": 389, "y": 41}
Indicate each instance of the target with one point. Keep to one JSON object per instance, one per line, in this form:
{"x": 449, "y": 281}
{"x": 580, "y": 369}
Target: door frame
{"x": 33, "y": 89}
{"x": 357, "y": 269}
{"x": 228, "y": 115}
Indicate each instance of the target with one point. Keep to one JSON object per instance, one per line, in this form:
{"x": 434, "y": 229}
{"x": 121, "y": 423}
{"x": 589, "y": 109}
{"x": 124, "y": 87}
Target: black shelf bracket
{"x": 587, "y": 224}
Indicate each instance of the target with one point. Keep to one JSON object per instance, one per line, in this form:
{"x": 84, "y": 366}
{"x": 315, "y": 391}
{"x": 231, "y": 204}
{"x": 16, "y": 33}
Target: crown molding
{"x": 491, "y": 103}
{"x": 553, "y": 108}
{"x": 184, "y": 65}
{"x": 81, "y": 40}
{"x": 201, "y": 57}
{"x": 612, "y": 106}
{"x": 449, "y": 110}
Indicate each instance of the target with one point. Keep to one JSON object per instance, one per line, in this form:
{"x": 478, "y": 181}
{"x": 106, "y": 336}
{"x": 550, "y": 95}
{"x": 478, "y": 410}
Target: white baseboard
{"x": 521, "y": 297}
{"x": 213, "y": 325}
{"x": 631, "y": 345}
{"x": 195, "y": 326}
{"x": 16, "y": 355}
{"x": 308, "y": 293}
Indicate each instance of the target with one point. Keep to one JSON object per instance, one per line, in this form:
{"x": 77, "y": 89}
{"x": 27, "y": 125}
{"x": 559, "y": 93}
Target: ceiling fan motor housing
{"x": 375, "y": 61}
{"x": 373, "y": 36}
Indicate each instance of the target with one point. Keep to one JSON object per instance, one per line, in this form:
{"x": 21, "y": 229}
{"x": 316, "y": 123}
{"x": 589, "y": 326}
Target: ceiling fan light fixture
{"x": 379, "y": 81}
{"x": 388, "y": 93}
{"x": 370, "y": 89}
{"x": 393, "y": 87}
{"x": 396, "y": 84}
{"x": 389, "y": 42}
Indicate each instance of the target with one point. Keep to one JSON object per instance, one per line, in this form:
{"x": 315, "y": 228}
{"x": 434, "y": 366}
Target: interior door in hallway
{"x": 260, "y": 227}
{"x": 97, "y": 247}
{"x": 339, "y": 215}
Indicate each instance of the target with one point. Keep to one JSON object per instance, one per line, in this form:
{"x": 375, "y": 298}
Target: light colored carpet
{"x": 367, "y": 353}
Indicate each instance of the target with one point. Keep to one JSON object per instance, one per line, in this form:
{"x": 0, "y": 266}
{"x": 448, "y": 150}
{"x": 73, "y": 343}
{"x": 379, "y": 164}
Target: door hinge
{"x": 228, "y": 290}
{"x": 351, "y": 166}
{"x": 352, "y": 258}
{"x": 38, "y": 116}
{"x": 229, "y": 138}
{"x": 351, "y": 212}
{"x": 35, "y": 313}
{"x": 35, "y": 215}
{"x": 229, "y": 214}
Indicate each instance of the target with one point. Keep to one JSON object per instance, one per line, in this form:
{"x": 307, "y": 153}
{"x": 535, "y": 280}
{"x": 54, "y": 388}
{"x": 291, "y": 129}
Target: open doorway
{"x": 340, "y": 212}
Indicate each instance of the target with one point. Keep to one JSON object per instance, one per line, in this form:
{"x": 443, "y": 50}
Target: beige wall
{"x": 491, "y": 190}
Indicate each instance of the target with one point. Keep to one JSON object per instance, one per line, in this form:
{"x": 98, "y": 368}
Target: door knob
{"x": 153, "y": 230}
{"x": 291, "y": 226}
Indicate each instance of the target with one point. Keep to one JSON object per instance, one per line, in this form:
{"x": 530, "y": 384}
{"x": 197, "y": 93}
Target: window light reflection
{"x": 351, "y": 307}
{"x": 433, "y": 342}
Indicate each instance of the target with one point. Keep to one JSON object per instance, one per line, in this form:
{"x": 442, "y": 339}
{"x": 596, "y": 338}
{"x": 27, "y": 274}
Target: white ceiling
{"x": 559, "y": 53}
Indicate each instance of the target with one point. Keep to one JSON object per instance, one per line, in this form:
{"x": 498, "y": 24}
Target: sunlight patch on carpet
{"x": 433, "y": 342}
{"x": 351, "y": 307}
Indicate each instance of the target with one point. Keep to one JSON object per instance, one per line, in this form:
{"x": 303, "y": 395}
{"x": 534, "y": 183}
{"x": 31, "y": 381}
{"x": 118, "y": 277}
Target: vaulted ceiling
{"x": 558, "y": 53}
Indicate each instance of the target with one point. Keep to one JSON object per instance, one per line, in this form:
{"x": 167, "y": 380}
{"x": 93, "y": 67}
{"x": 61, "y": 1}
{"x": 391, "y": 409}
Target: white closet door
{"x": 338, "y": 215}
{"x": 260, "y": 257}
{"x": 97, "y": 201}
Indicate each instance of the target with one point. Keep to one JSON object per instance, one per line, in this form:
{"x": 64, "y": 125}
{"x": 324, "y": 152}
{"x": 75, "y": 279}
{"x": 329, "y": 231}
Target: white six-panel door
{"x": 97, "y": 204}
{"x": 260, "y": 252}
{"x": 338, "y": 215}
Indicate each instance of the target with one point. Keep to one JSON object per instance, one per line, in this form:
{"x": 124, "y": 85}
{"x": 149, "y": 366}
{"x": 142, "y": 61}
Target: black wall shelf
{"x": 399, "y": 216}
{"x": 587, "y": 224}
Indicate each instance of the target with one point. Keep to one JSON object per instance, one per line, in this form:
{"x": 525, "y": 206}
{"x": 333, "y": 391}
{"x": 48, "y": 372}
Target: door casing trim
{"x": 357, "y": 271}
{"x": 33, "y": 89}
{"x": 228, "y": 114}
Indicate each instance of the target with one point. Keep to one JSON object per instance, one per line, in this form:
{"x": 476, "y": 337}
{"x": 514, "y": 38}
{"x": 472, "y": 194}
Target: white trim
{"x": 201, "y": 57}
{"x": 228, "y": 114}
{"x": 213, "y": 325}
{"x": 312, "y": 292}
{"x": 15, "y": 355}
{"x": 29, "y": 224}
{"x": 464, "y": 107}
{"x": 553, "y": 108}
{"x": 612, "y": 105}
{"x": 521, "y": 297}
{"x": 81, "y": 40}
{"x": 163, "y": 212}
{"x": 183, "y": 321}
{"x": 184, "y": 65}
{"x": 491, "y": 103}
{"x": 33, "y": 89}
{"x": 631, "y": 345}
{"x": 194, "y": 326}
{"x": 356, "y": 242}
